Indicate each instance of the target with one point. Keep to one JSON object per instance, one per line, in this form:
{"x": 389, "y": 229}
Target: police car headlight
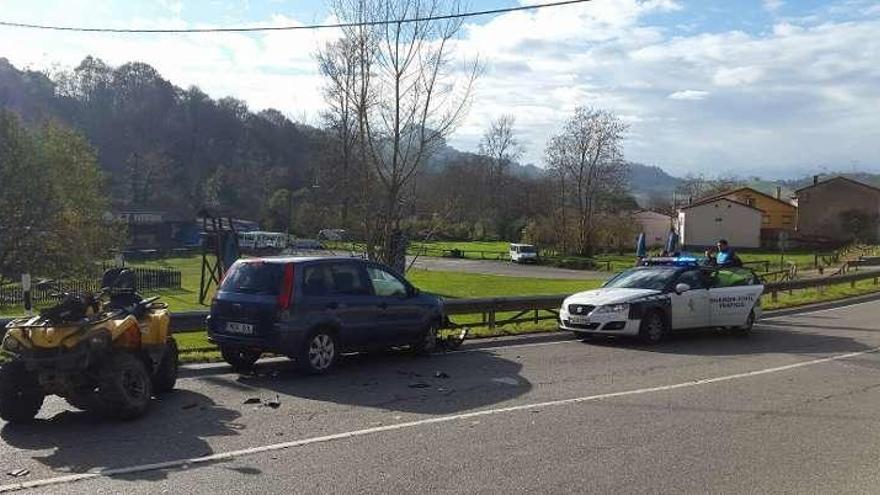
{"x": 612, "y": 308}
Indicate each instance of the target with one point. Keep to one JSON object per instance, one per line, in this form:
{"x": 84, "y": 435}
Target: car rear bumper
{"x": 279, "y": 338}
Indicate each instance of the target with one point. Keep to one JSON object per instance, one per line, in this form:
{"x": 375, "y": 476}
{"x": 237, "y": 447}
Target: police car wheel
{"x": 747, "y": 328}
{"x": 653, "y": 328}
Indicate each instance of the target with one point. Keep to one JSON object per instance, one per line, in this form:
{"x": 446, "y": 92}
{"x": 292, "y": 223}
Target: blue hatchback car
{"x": 314, "y": 308}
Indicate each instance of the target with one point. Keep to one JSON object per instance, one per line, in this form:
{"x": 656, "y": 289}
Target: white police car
{"x": 665, "y": 295}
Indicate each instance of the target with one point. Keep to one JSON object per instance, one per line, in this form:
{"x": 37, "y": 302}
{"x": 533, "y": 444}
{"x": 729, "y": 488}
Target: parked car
{"x": 314, "y": 308}
{"x": 523, "y": 253}
{"x": 667, "y": 295}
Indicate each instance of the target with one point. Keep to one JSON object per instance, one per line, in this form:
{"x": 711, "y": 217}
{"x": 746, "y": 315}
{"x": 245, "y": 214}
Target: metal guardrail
{"x": 528, "y": 309}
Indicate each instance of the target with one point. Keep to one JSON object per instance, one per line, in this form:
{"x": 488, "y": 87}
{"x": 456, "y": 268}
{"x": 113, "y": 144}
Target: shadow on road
{"x": 398, "y": 382}
{"x": 176, "y": 427}
{"x": 763, "y": 340}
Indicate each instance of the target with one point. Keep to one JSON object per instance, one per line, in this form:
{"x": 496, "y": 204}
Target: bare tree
{"x": 338, "y": 63}
{"x": 500, "y": 145}
{"x": 407, "y": 96}
{"x": 500, "y": 148}
{"x": 694, "y": 187}
{"x": 588, "y": 156}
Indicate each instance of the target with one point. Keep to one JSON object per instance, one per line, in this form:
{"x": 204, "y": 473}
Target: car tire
{"x": 319, "y": 353}
{"x": 125, "y": 388}
{"x": 165, "y": 377}
{"x": 20, "y": 394}
{"x": 240, "y": 358}
{"x": 653, "y": 328}
{"x": 746, "y": 330}
{"x": 427, "y": 342}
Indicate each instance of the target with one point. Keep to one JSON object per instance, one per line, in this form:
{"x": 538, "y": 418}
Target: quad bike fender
{"x": 155, "y": 326}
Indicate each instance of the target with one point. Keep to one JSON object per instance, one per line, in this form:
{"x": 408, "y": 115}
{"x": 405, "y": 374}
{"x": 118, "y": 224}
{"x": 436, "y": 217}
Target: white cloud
{"x": 802, "y": 94}
{"x": 773, "y": 5}
{"x": 736, "y": 76}
{"x": 689, "y": 94}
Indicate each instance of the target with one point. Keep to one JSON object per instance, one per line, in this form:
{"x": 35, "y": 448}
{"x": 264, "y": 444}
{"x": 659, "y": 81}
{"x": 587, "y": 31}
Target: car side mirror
{"x": 414, "y": 291}
{"x": 682, "y": 288}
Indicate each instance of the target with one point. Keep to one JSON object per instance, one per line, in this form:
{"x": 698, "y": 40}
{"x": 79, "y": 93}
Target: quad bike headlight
{"x": 100, "y": 340}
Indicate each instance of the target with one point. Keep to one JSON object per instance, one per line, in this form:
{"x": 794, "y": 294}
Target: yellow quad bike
{"x": 108, "y": 357}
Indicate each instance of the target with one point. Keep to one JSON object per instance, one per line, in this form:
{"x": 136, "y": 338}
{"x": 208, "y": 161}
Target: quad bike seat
{"x": 119, "y": 285}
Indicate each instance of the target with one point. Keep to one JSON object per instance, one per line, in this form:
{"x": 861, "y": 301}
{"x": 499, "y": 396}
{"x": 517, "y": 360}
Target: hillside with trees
{"x": 175, "y": 150}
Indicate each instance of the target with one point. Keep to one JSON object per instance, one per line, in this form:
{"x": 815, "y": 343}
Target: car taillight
{"x": 285, "y": 296}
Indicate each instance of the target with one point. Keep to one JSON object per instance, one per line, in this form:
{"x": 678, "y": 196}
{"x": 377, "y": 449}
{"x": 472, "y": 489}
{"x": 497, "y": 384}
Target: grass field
{"x": 194, "y": 346}
{"x": 803, "y": 258}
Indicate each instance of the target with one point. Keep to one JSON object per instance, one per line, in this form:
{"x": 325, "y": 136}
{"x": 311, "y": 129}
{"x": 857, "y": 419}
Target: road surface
{"x": 795, "y": 408}
{"x": 504, "y": 268}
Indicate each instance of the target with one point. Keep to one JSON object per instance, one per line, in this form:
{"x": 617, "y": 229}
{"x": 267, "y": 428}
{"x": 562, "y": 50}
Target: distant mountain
{"x": 865, "y": 177}
{"x": 646, "y": 181}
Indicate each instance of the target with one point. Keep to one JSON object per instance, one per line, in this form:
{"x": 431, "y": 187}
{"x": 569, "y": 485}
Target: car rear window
{"x": 254, "y": 277}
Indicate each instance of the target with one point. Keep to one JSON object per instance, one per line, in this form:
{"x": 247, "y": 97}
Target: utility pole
{"x": 289, "y": 212}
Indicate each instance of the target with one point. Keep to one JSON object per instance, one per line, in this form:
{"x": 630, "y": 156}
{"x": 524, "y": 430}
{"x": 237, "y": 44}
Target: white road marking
{"x": 225, "y": 456}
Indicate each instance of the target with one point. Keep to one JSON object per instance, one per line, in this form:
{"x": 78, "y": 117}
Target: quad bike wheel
{"x": 166, "y": 375}
{"x": 20, "y": 394}
{"x": 125, "y": 388}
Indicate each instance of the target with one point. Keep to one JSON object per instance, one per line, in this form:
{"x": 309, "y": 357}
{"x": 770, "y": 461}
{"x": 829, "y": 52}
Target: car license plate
{"x": 580, "y": 320}
{"x": 240, "y": 328}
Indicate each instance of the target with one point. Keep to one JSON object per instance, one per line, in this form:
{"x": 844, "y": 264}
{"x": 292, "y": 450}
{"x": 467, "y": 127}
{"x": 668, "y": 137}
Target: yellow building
{"x": 779, "y": 215}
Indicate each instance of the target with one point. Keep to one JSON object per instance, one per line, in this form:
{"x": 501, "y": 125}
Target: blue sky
{"x": 778, "y": 88}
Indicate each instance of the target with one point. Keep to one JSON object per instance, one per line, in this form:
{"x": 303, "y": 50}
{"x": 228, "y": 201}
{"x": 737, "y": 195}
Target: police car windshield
{"x": 654, "y": 278}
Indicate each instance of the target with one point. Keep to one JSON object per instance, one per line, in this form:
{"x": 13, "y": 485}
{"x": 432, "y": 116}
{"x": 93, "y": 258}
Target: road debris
{"x": 441, "y": 374}
{"x": 272, "y": 403}
{"x": 419, "y": 385}
{"x": 18, "y": 473}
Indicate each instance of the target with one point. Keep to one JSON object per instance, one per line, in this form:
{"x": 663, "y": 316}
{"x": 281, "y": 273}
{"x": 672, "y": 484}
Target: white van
{"x": 523, "y": 253}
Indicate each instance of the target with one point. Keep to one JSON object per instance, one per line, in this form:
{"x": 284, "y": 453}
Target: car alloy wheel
{"x": 653, "y": 328}
{"x": 322, "y": 352}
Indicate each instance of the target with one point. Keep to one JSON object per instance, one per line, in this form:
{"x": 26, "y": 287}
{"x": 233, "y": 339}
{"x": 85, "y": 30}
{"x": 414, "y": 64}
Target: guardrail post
{"x": 875, "y": 280}
{"x": 492, "y": 319}
{"x": 852, "y": 284}
{"x": 536, "y": 314}
{"x": 774, "y": 296}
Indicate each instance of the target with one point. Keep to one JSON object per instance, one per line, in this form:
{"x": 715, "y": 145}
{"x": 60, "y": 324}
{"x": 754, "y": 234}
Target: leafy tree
{"x": 52, "y": 206}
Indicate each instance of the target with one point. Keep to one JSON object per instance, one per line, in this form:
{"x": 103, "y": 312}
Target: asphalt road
{"x": 795, "y": 408}
{"x": 505, "y": 268}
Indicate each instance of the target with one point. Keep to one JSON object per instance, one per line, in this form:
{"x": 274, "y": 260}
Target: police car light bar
{"x": 672, "y": 261}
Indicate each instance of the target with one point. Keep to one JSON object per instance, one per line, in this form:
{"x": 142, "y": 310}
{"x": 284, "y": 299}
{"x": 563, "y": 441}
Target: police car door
{"x": 690, "y": 309}
{"x": 733, "y": 294}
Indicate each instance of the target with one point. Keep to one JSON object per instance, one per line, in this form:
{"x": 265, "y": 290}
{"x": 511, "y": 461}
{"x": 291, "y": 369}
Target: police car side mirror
{"x": 682, "y": 288}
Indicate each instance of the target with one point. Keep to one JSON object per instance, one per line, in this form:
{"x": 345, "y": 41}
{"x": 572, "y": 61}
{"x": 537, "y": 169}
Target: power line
{"x": 459, "y": 15}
